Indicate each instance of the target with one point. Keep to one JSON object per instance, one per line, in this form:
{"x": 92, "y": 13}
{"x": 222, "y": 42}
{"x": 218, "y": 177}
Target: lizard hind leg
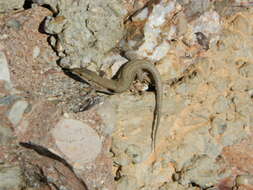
{"x": 140, "y": 84}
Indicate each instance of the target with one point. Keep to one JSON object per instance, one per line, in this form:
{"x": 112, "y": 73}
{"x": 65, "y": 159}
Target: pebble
{"x": 17, "y": 111}
{"x": 79, "y": 142}
{"x": 4, "y": 69}
{"x": 10, "y": 178}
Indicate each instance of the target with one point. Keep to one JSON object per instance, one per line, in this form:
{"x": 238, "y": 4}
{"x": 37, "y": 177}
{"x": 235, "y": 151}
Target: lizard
{"x": 128, "y": 73}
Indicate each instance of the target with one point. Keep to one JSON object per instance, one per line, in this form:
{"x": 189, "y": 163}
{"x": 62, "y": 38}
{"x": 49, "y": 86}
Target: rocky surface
{"x": 11, "y": 5}
{"x": 82, "y": 36}
{"x": 48, "y": 140}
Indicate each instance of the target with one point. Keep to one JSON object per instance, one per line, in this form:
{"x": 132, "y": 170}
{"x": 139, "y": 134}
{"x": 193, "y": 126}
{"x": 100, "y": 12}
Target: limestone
{"x": 77, "y": 141}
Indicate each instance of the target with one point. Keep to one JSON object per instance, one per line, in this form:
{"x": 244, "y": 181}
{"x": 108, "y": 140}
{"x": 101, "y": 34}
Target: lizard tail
{"x": 157, "y": 116}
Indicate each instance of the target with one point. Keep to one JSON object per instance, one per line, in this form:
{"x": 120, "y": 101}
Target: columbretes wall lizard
{"x": 128, "y": 73}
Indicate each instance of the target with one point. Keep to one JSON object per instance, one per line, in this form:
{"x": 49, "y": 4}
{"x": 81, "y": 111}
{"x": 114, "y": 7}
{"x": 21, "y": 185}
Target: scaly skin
{"x": 127, "y": 75}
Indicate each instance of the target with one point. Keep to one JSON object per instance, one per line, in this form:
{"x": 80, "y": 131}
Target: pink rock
{"x": 80, "y": 143}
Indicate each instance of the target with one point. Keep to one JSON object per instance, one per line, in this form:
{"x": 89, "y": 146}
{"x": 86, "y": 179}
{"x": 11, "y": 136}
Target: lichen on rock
{"x": 86, "y": 30}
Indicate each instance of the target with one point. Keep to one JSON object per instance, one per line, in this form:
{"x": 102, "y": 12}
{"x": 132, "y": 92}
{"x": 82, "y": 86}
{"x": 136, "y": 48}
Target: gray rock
{"x": 13, "y": 23}
{"x": 17, "y": 111}
{"x": 121, "y": 160}
{"x": 235, "y": 132}
{"x": 221, "y": 104}
{"x": 135, "y": 153}
{"x": 5, "y": 135}
{"x": 36, "y": 52}
{"x": 126, "y": 183}
{"x": 195, "y": 6}
{"x": 218, "y": 127}
{"x": 204, "y": 171}
{"x": 195, "y": 143}
{"x": 11, "y": 5}
{"x": 82, "y": 35}
{"x": 10, "y": 178}
{"x": 8, "y": 100}
{"x": 176, "y": 186}
{"x": 4, "y": 69}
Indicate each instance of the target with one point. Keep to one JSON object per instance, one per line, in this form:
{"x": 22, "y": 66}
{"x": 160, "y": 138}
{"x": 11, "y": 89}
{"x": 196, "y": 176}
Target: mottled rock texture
{"x": 11, "y": 5}
{"x": 86, "y": 30}
{"x": 49, "y": 141}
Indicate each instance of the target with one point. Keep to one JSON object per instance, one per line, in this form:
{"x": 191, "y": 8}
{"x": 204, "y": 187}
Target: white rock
{"x": 36, "y": 52}
{"x": 156, "y": 45}
{"x": 4, "y": 69}
{"x": 77, "y": 141}
{"x": 208, "y": 23}
{"x": 16, "y": 112}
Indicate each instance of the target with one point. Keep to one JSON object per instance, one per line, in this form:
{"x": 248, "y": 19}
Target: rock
{"x": 81, "y": 33}
{"x": 77, "y": 141}
{"x": 108, "y": 114}
{"x": 17, "y": 111}
{"x": 244, "y": 180}
{"x": 4, "y": 69}
{"x": 230, "y": 137}
{"x": 194, "y": 7}
{"x": 135, "y": 153}
{"x": 11, "y": 178}
{"x": 13, "y": 23}
{"x": 8, "y": 100}
{"x": 155, "y": 47}
{"x": 5, "y": 135}
{"x": 121, "y": 160}
{"x": 209, "y": 24}
{"x": 126, "y": 183}
{"x": 176, "y": 186}
{"x": 141, "y": 15}
{"x": 221, "y": 104}
{"x": 36, "y": 52}
{"x": 11, "y": 5}
{"x": 218, "y": 127}
{"x": 203, "y": 171}
{"x": 184, "y": 152}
